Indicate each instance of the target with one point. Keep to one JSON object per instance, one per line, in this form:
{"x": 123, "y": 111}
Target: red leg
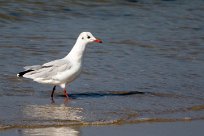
{"x": 65, "y": 93}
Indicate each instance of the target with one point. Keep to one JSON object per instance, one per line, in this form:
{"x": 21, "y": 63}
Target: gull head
{"x": 87, "y": 37}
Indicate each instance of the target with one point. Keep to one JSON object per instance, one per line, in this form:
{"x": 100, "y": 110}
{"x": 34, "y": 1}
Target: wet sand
{"x": 189, "y": 128}
{"x": 148, "y": 129}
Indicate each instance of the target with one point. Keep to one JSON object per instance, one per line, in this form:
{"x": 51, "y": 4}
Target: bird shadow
{"x": 103, "y": 94}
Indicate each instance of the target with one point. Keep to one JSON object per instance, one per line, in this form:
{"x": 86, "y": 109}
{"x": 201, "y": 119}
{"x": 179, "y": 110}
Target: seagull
{"x": 61, "y": 71}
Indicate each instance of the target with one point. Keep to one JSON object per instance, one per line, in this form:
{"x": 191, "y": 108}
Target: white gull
{"x": 62, "y": 71}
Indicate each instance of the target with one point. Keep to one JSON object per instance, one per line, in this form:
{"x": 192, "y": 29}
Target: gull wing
{"x": 48, "y": 70}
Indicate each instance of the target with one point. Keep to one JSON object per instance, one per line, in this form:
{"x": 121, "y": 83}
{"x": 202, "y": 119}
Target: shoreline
{"x": 102, "y": 123}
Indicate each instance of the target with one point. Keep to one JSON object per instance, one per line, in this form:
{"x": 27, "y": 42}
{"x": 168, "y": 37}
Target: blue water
{"x": 148, "y": 69}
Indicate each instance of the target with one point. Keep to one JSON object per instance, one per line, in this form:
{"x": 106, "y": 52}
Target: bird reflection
{"x": 51, "y": 131}
{"x": 53, "y": 112}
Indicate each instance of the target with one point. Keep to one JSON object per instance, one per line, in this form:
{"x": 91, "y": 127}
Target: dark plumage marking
{"x": 47, "y": 66}
{"x": 22, "y": 73}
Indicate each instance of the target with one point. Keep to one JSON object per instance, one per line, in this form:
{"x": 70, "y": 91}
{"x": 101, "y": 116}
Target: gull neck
{"x": 77, "y": 52}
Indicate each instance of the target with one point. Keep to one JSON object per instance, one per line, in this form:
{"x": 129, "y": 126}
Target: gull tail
{"x": 22, "y": 73}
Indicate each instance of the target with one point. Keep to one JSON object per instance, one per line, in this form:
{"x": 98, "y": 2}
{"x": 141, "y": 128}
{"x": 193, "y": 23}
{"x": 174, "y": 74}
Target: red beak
{"x": 98, "y": 41}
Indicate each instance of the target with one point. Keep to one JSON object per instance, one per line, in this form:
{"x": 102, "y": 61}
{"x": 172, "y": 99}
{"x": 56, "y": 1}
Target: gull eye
{"x": 88, "y": 37}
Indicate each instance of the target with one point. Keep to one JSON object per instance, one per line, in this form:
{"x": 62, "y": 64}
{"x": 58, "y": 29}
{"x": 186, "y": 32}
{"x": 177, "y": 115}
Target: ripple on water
{"x": 149, "y": 69}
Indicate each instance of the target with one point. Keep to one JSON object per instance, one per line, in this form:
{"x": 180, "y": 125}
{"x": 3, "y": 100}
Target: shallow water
{"x": 149, "y": 68}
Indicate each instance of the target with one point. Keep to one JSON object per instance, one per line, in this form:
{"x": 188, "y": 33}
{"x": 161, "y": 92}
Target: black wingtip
{"x": 22, "y": 73}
